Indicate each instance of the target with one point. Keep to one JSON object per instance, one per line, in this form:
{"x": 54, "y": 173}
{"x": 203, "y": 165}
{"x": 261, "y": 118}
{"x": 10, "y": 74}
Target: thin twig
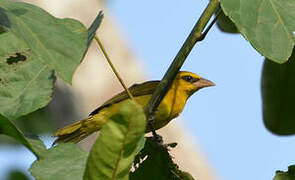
{"x": 112, "y": 66}
{"x": 210, "y": 26}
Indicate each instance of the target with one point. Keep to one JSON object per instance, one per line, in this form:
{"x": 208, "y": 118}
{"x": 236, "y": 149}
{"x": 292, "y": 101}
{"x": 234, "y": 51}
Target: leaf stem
{"x": 113, "y": 67}
{"x": 195, "y": 36}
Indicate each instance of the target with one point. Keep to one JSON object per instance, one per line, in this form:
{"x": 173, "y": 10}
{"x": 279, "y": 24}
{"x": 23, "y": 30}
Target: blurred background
{"x": 220, "y": 133}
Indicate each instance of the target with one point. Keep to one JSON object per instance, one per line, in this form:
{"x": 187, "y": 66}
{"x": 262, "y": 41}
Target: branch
{"x": 195, "y": 36}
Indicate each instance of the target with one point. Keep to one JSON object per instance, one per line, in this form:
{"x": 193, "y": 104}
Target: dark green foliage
{"x": 278, "y": 86}
{"x": 289, "y": 175}
{"x": 225, "y": 24}
{"x": 17, "y": 175}
{"x": 157, "y": 164}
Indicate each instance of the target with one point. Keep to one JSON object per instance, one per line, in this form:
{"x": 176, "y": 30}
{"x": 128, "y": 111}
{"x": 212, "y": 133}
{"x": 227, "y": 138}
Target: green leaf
{"x": 140, "y": 144}
{"x": 278, "y": 98}
{"x": 37, "y": 122}
{"x": 268, "y": 24}
{"x": 25, "y": 82}
{"x": 58, "y": 44}
{"x": 113, "y": 152}
{"x": 61, "y": 162}
{"x": 31, "y": 49}
{"x": 17, "y": 175}
{"x": 225, "y": 24}
{"x": 157, "y": 164}
{"x": 38, "y": 146}
{"x": 289, "y": 175}
{"x": 7, "y": 128}
{"x": 94, "y": 26}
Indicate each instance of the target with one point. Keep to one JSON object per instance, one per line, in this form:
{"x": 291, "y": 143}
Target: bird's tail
{"x": 75, "y": 132}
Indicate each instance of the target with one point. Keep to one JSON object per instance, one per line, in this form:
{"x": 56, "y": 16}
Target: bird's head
{"x": 190, "y": 82}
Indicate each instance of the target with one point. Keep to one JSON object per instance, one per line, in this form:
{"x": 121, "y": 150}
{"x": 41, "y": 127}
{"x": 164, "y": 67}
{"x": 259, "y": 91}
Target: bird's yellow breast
{"x": 170, "y": 107}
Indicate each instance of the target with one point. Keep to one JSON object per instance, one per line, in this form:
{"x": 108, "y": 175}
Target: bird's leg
{"x": 158, "y": 138}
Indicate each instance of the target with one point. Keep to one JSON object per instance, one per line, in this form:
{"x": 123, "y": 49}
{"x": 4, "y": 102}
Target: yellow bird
{"x": 183, "y": 86}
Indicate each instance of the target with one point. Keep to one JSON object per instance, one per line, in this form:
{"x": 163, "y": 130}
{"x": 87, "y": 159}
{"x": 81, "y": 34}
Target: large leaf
{"x": 31, "y": 49}
{"x": 157, "y": 164}
{"x": 278, "y": 87}
{"x": 268, "y": 25}
{"x": 289, "y": 175}
{"x": 35, "y": 146}
{"x": 113, "y": 153}
{"x": 25, "y": 82}
{"x": 59, "y": 44}
{"x": 61, "y": 162}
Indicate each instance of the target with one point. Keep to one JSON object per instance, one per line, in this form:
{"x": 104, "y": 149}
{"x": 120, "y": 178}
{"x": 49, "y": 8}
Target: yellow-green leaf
{"x": 112, "y": 154}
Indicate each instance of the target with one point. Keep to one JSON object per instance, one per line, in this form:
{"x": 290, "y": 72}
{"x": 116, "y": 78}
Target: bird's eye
{"x": 188, "y": 78}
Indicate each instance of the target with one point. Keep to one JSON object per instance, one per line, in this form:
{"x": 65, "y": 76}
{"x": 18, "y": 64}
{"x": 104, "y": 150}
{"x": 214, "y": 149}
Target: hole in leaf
{"x": 16, "y": 58}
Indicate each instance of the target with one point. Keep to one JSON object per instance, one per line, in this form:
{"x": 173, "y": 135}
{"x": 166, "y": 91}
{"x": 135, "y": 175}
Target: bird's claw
{"x": 158, "y": 138}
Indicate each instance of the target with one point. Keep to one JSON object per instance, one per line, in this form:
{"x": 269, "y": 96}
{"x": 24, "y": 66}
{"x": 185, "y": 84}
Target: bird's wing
{"x": 136, "y": 90}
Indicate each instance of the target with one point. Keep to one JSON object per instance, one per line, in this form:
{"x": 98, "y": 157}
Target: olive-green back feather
{"x": 136, "y": 90}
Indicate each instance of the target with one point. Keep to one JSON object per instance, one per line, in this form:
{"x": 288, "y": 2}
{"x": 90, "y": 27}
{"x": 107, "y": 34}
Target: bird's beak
{"x": 203, "y": 83}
